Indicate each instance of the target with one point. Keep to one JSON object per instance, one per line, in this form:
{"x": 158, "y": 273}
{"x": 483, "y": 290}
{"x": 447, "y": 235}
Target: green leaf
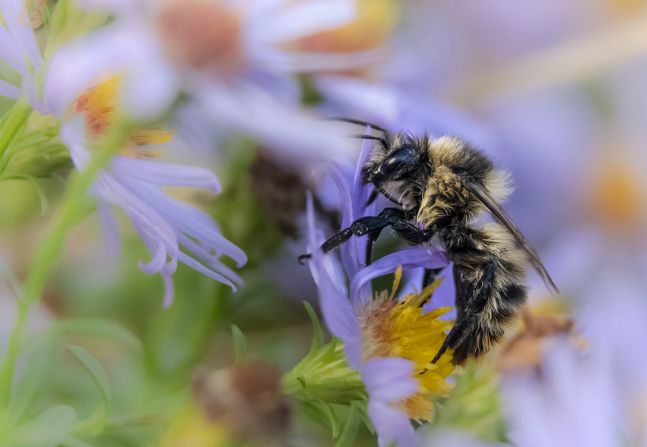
{"x": 42, "y": 197}
{"x": 318, "y": 334}
{"x": 32, "y": 379}
{"x": 240, "y": 343}
{"x": 474, "y": 405}
{"x": 12, "y": 126}
{"x": 48, "y": 429}
{"x": 323, "y": 414}
{"x": 99, "y": 328}
{"x": 349, "y": 431}
{"x": 94, "y": 424}
{"x": 94, "y": 367}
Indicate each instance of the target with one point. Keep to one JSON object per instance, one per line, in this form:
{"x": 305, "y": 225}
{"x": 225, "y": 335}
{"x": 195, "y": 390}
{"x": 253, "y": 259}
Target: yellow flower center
{"x": 400, "y": 328}
{"x": 617, "y": 196}
{"x": 374, "y": 23}
{"x": 98, "y": 104}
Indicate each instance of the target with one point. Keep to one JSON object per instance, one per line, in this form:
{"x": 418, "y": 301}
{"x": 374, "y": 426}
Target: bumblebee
{"x": 438, "y": 187}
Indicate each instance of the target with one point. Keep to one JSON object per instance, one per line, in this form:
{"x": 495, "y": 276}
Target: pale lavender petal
{"x": 17, "y": 21}
{"x": 166, "y": 174}
{"x": 169, "y": 291}
{"x": 387, "y": 381}
{"x": 8, "y": 90}
{"x": 290, "y": 134}
{"x": 335, "y": 306}
{"x": 175, "y": 213}
{"x": 203, "y": 252}
{"x": 408, "y": 258}
{"x": 302, "y": 19}
{"x": 117, "y": 7}
{"x": 197, "y": 266}
{"x": 72, "y": 134}
{"x": 156, "y": 263}
{"x": 349, "y": 250}
{"x": 319, "y": 62}
{"x": 79, "y": 65}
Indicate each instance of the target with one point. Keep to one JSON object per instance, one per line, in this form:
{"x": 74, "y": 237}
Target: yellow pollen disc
{"x": 374, "y": 23}
{"x": 400, "y": 328}
{"x": 617, "y": 198}
{"x": 99, "y": 103}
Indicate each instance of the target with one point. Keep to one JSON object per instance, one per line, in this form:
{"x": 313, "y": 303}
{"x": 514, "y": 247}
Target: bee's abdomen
{"x": 489, "y": 273}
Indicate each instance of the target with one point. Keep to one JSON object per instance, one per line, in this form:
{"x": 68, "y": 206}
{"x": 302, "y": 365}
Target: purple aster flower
{"x": 19, "y": 51}
{"x": 390, "y": 342}
{"x": 233, "y": 59}
{"x": 172, "y": 230}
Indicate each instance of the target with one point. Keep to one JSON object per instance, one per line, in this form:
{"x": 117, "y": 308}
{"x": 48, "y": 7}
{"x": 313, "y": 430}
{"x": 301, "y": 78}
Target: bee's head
{"x": 395, "y": 163}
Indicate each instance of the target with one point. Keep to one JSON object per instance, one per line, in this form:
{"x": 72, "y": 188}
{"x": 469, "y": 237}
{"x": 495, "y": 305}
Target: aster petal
{"x": 319, "y": 62}
{"x": 407, "y": 258}
{"x": 335, "y": 307}
{"x": 349, "y": 251}
{"x": 302, "y": 19}
{"x": 8, "y": 90}
{"x": 156, "y": 263}
{"x": 79, "y": 65}
{"x": 166, "y": 173}
{"x": 175, "y": 212}
{"x": 389, "y": 380}
{"x": 213, "y": 262}
{"x": 197, "y": 266}
{"x": 289, "y": 134}
{"x": 169, "y": 291}
{"x": 18, "y": 26}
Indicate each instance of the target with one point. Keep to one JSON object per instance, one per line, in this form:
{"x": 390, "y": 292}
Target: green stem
{"x": 50, "y": 248}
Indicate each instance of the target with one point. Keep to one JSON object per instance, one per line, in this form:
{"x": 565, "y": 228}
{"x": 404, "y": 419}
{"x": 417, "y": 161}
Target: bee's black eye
{"x": 397, "y": 164}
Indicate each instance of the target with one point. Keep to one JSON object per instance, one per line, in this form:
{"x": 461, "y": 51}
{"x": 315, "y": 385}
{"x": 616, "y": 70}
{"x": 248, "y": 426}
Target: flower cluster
{"x": 206, "y": 139}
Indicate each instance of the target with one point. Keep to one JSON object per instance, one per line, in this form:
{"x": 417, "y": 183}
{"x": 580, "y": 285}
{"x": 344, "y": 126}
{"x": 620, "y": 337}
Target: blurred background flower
{"x": 228, "y": 96}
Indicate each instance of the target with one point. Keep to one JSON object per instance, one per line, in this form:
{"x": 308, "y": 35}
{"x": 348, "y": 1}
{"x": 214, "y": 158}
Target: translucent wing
{"x": 504, "y": 219}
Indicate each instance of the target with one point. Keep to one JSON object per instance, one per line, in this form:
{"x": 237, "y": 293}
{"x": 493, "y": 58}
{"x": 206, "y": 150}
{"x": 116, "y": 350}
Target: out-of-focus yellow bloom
{"x": 98, "y": 105}
{"x": 617, "y": 197}
{"x": 400, "y": 328}
{"x": 191, "y": 428}
{"x": 626, "y": 8}
{"x": 375, "y": 21}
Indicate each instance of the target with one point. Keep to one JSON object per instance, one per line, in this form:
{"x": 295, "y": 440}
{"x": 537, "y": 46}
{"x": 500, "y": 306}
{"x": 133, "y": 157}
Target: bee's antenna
{"x": 382, "y": 140}
{"x": 359, "y": 122}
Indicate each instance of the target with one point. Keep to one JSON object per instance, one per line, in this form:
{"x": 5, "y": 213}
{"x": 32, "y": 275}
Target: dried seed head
{"x": 205, "y": 35}
{"x": 243, "y": 396}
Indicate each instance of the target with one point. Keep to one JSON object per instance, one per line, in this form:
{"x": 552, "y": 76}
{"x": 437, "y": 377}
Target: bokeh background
{"x": 553, "y": 90}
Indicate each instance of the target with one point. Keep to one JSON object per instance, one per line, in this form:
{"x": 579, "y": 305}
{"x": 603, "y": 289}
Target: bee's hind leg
{"x": 430, "y": 276}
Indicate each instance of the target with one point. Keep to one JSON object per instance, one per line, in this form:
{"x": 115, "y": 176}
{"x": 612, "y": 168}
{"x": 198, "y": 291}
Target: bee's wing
{"x": 504, "y": 219}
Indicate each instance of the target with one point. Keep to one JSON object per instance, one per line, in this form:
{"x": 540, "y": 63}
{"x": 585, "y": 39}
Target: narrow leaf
{"x": 99, "y": 328}
{"x": 349, "y": 431}
{"x": 47, "y": 429}
{"x": 240, "y": 343}
{"x": 318, "y": 334}
{"x": 95, "y": 369}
